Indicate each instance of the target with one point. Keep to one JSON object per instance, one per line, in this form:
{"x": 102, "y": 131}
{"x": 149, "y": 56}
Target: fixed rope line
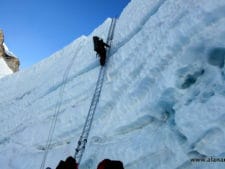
{"x": 55, "y": 116}
{"x": 89, "y": 119}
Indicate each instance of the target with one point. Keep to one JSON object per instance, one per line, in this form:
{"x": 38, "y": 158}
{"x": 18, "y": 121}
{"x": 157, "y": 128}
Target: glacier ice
{"x": 162, "y": 101}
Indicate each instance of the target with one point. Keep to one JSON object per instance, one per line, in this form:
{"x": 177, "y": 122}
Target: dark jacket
{"x": 70, "y": 163}
{"x": 99, "y": 44}
{"x": 110, "y": 164}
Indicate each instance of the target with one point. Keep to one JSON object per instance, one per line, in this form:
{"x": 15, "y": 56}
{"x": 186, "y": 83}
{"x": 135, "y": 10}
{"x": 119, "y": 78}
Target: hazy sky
{"x": 35, "y": 29}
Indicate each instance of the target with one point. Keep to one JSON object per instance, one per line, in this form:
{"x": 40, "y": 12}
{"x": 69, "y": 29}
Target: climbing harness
{"x": 89, "y": 119}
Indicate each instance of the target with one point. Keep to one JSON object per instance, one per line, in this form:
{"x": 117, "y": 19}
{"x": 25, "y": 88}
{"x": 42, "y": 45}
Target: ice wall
{"x": 162, "y": 102}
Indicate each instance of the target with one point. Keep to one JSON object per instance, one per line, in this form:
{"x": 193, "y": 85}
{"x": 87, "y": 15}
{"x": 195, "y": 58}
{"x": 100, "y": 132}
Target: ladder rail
{"x": 95, "y": 99}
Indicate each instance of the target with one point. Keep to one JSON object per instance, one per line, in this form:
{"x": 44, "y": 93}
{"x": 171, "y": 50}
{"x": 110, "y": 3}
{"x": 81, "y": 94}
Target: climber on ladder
{"x": 73, "y": 162}
{"x": 100, "y": 48}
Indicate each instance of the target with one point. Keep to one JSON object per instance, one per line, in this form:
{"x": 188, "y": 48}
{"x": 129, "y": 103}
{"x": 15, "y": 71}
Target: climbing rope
{"x": 89, "y": 119}
{"x": 56, "y": 112}
{"x": 83, "y": 139}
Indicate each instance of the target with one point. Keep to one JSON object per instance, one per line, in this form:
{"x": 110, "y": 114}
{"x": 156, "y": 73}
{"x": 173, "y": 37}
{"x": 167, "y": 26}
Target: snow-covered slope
{"x": 7, "y": 51}
{"x": 162, "y": 102}
{"x": 4, "y": 69}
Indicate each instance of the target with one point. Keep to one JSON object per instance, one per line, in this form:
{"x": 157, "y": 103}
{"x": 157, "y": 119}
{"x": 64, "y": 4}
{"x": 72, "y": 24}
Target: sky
{"x": 35, "y": 29}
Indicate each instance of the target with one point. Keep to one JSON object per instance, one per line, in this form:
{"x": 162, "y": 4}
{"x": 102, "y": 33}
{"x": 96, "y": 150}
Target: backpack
{"x": 96, "y": 41}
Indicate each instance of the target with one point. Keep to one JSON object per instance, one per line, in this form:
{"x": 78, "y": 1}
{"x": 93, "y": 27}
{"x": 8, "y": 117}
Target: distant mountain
{"x": 162, "y": 102}
{"x": 9, "y": 63}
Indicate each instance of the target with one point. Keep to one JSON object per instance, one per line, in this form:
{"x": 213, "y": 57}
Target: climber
{"x": 70, "y": 163}
{"x": 110, "y": 164}
{"x": 100, "y": 48}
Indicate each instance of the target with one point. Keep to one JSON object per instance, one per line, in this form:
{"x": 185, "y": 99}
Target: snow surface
{"x": 162, "y": 102}
{"x": 7, "y": 51}
{"x": 4, "y": 69}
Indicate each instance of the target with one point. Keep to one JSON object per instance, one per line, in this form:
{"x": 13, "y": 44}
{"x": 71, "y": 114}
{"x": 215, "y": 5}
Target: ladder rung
{"x": 86, "y": 129}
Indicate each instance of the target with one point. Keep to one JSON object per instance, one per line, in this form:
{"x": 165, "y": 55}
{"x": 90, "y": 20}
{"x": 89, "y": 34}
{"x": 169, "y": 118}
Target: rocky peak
{"x": 12, "y": 61}
{"x": 2, "y": 51}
